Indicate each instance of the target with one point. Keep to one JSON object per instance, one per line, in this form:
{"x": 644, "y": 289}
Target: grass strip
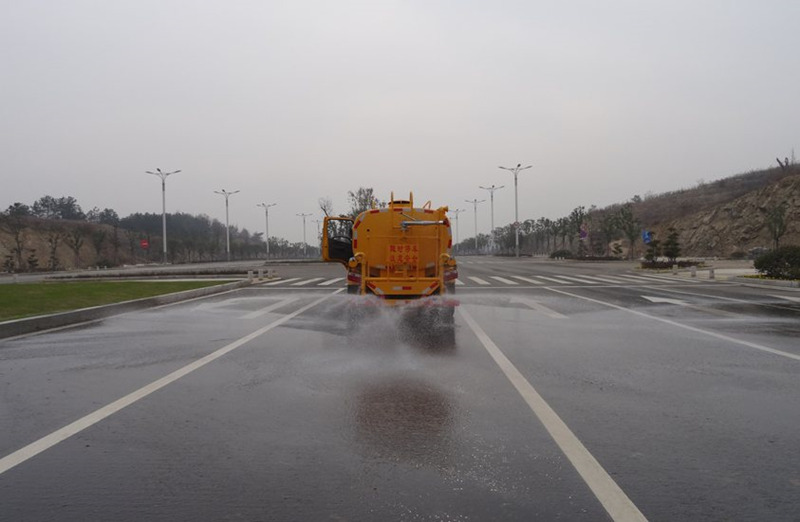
{"x": 31, "y": 299}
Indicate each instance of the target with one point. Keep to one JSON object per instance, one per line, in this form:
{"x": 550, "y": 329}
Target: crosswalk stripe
{"x": 504, "y": 280}
{"x": 639, "y": 278}
{"x": 554, "y": 280}
{"x": 480, "y": 281}
{"x": 579, "y": 280}
{"x": 331, "y": 281}
{"x": 528, "y": 280}
{"x": 307, "y": 281}
{"x": 671, "y": 278}
{"x": 282, "y": 281}
{"x": 459, "y": 282}
{"x": 604, "y": 279}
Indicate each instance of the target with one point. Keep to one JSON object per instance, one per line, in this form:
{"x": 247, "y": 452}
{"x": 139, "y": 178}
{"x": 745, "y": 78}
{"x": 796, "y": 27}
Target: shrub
{"x": 738, "y": 255}
{"x": 781, "y": 263}
{"x": 665, "y": 265}
{"x": 564, "y": 254}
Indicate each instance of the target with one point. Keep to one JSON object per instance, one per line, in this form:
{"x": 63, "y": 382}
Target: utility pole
{"x": 163, "y": 176}
{"x": 227, "y": 194}
{"x": 491, "y": 199}
{"x": 266, "y": 215}
{"x": 516, "y": 170}
{"x": 456, "y": 212}
{"x": 304, "y": 216}
{"x": 475, "y": 209}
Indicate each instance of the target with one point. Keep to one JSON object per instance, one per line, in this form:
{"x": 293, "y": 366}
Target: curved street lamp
{"x": 515, "y": 171}
{"x": 227, "y": 194}
{"x": 266, "y": 214}
{"x": 163, "y": 176}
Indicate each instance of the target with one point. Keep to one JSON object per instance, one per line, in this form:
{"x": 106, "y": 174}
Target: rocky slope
{"x": 738, "y": 225}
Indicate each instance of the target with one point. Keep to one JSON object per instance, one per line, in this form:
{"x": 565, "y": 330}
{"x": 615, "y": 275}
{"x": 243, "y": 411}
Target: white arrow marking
{"x": 678, "y": 302}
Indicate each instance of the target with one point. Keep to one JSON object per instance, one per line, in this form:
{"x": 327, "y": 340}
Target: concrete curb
{"x": 45, "y": 322}
{"x": 751, "y": 281}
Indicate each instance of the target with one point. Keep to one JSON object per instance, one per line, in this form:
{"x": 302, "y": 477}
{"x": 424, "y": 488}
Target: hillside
{"x": 714, "y": 225}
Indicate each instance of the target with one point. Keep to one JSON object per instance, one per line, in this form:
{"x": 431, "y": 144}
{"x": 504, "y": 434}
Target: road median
{"x": 39, "y": 323}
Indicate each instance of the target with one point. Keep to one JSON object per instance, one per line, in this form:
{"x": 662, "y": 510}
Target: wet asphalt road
{"x": 685, "y": 394}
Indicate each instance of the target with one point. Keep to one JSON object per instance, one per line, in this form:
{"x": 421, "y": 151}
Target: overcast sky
{"x": 290, "y": 101}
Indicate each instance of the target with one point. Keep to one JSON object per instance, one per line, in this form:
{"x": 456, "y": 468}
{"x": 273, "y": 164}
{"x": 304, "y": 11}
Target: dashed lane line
{"x": 48, "y": 441}
{"x": 614, "y": 500}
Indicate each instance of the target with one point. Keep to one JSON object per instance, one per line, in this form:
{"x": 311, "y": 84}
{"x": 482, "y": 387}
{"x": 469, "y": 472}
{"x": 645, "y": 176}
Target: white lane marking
{"x": 673, "y": 279}
{"x": 331, "y": 281}
{"x": 640, "y": 278}
{"x": 480, "y": 281}
{"x": 308, "y": 281}
{"x": 528, "y": 280}
{"x": 579, "y": 280}
{"x": 504, "y": 280}
{"x": 604, "y": 279}
{"x": 788, "y": 298}
{"x": 610, "y": 495}
{"x": 459, "y": 282}
{"x": 281, "y": 281}
{"x": 530, "y": 303}
{"x": 755, "y": 346}
{"x": 269, "y": 308}
{"x": 48, "y": 441}
{"x": 554, "y": 280}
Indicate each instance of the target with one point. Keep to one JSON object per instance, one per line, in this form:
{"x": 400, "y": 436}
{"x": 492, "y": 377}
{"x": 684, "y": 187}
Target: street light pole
{"x": 304, "y": 216}
{"x": 516, "y": 170}
{"x": 475, "y": 208}
{"x": 163, "y": 176}
{"x": 266, "y": 216}
{"x": 491, "y": 199}
{"x": 227, "y": 225}
{"x": 457, "y": 212}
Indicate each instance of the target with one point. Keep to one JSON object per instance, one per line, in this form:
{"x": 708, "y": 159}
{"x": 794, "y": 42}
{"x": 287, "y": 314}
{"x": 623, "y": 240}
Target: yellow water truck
{"x": 401, "y": 254}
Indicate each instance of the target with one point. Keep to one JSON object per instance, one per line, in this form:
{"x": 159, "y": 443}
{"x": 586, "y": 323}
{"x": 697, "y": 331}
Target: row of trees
{"x": 55, "y": 233}
{"x": 582, "y": 232}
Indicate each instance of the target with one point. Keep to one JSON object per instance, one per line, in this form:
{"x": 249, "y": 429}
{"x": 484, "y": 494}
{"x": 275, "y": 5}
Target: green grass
{"x": 29, "y": 299}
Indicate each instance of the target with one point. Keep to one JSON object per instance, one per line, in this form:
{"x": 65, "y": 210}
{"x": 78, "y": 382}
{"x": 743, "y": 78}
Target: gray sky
{"x": 290, "y": 101}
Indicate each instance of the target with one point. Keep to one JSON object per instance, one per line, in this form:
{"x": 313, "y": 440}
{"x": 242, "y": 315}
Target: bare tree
{"x": 75, "y": 239}
{"x": 326, "y": 206}
{"x": 776, "y": 222}
{"x": 53, "y": 233}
